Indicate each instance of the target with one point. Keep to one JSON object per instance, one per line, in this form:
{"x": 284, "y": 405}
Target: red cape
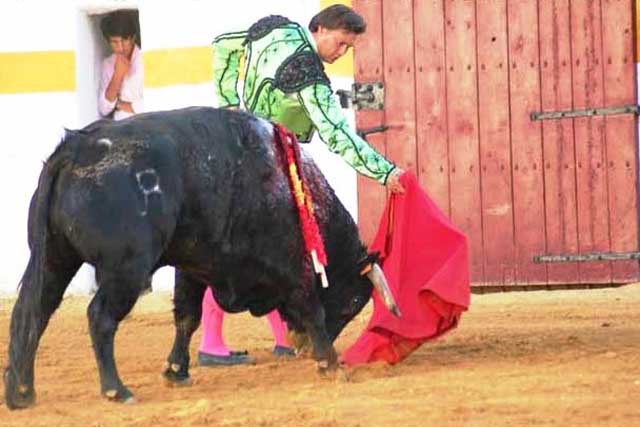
{"x": 424, "y": 258}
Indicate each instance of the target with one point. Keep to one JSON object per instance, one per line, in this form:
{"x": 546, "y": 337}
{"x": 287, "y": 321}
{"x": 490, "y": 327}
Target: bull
{"x": 202, "y": 190}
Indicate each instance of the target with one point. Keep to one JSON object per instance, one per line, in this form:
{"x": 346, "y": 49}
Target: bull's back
{"x": 119, "y": 186}
{"x": 210, "y": 172}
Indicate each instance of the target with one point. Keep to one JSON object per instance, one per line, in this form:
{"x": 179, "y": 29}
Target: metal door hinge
{"x": 363, "y": 96}
{"x": 588, "y": 257}
{"x": 584, "y": 112}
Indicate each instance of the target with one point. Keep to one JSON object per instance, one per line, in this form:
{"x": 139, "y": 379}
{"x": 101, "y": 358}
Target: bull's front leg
{"x": 188, "y": 294}
{"x": 313, "y": 320}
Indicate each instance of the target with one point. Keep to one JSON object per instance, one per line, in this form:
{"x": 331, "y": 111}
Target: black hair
{"x": 120, "y": 23}
{"x": 338, "y": 17}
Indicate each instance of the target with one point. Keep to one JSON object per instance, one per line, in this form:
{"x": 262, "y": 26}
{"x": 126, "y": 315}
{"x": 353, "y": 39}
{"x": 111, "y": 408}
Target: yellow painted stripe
{"x": 343, "y": 67}
{"x": 327, "y": 3}
{"x": 54, "y": 71}
{"x": 51, "y": 71}
{"x": 168, "y": 67}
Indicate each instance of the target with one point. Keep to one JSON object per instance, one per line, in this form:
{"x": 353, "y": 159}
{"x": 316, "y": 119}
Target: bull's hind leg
{"x": 187, "y": 300}
{"x": 118, "y": 291}
{"x": 40, "y": 295}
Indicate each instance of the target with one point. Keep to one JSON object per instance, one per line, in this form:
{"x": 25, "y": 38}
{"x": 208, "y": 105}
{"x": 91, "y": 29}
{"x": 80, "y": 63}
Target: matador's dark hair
{"x": 338, "y": 17}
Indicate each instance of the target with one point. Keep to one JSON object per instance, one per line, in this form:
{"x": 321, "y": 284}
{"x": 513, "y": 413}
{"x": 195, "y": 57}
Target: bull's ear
{"x": 365, "y": 264}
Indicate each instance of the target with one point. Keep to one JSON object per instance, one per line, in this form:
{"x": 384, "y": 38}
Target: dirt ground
{"x": 561, "y": 358}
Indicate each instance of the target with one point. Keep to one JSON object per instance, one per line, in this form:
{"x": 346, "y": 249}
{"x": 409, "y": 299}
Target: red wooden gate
{"x": 461, "y": 80}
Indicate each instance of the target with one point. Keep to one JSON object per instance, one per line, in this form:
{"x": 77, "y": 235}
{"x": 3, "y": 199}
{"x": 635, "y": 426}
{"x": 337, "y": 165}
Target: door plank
{"x": 558, "y": 139}
{"x": 591, "y": 173}
{"x": 431, "y": 102}
{"x": 399, "y": 78}
{"x": 495, "y": 149}
{"x": 462, "y": 122}
{"x": 621, "y": 134}
{"x": 369, "y": 63}
{"x": 526, "y": 141}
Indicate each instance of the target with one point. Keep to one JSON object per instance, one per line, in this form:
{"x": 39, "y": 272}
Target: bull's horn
{"x": 380, "y": 283}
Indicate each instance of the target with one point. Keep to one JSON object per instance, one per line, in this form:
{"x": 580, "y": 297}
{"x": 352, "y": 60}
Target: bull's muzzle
{"x": 376, "y": 275}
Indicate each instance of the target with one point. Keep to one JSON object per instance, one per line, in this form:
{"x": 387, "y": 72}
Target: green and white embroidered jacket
{"x": 285, "y": 82}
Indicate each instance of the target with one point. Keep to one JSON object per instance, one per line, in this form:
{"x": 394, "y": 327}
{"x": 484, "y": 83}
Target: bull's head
{"x": 350, "y": 291}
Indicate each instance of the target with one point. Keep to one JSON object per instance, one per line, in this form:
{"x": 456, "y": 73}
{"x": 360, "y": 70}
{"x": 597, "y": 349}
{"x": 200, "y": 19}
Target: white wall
{"x": 32, "y": 124}
{"x": 29, "y": 25}
{"x": 196, "y": 22}
{"x": 90, "y": 49}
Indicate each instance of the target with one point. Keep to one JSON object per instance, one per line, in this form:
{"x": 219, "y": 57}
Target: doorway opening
{"x": 92, "y": 48}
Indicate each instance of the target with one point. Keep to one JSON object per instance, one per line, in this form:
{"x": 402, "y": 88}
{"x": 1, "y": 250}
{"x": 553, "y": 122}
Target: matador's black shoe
{"x": 282, "y": 351}
{"x": 234, "y": 358}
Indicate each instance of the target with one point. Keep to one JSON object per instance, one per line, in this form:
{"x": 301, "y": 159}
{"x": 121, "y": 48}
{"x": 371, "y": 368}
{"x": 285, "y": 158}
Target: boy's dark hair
{"x": 338, "y": 17}
{"x": 120, "y": 23}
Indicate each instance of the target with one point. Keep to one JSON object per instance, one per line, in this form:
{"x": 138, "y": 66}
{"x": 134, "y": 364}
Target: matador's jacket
{"x": 285, "y": 82}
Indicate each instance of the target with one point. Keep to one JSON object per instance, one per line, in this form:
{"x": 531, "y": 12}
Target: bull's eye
{"x": 356, "y": 302}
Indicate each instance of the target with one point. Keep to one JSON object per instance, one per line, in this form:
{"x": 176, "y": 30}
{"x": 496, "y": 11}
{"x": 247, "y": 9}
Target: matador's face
{"x": 333, "y": 44}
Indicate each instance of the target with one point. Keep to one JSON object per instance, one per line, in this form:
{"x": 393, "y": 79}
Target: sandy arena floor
{"x": 562, "y": 358}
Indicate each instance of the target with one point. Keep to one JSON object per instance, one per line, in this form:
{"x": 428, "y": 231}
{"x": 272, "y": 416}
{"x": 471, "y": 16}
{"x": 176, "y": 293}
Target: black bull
{"x": 200, "y": 189}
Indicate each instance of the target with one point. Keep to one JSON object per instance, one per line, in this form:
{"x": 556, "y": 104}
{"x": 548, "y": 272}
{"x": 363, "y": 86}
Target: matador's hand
{"x": 393, "y": 182}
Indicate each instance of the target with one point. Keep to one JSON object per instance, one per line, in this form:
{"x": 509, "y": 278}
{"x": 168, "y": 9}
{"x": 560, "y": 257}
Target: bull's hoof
{"x": 17, "y": 396}
{"x": 324, "y": 366}
{"x": 300, "y": 342}
{"x": 18, "y": 400}
{"x": 119, "y": 395}
{"x": 177, "y": 375}
{"x": 176, "y": 379}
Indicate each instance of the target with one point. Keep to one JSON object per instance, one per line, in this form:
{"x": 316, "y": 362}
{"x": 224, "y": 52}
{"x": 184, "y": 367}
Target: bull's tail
{"x": 27, "y": 323}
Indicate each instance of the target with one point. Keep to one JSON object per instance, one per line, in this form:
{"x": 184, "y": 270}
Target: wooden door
{"x": 462, "y": 79}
